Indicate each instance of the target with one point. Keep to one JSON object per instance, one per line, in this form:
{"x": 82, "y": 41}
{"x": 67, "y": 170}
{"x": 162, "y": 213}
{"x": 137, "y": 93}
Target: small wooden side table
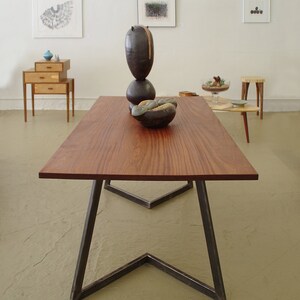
{"x": 226, "y": 105}
{"x": 49, "y": 77}
{"x": 259, "y": 82}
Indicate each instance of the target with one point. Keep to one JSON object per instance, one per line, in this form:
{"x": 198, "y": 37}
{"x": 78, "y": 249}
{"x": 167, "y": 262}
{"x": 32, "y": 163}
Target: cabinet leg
{"x": 25, "y": 102}
{"x": 73, "y": 97}
{"x": 68, "y": 106}
{"x": 32, "y": 99}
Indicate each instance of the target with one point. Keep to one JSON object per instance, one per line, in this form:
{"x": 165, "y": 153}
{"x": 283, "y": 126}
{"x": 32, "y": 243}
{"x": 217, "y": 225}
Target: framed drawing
{"x": 57, "y": 18}
{"x": 157, "y": 13}
{"x": 256, "y": 11}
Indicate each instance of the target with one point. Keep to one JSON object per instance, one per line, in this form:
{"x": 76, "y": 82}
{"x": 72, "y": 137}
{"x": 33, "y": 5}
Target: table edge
{"x": 217, "y": 177}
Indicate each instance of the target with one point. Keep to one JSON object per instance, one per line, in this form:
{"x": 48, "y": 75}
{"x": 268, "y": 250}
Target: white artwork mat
{"x": 157, "y": 13}
{"x": 57, "y": 18}
{"x": 256, "y": 11}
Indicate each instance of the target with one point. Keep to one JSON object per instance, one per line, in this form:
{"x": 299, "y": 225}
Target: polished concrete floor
{"x": 257, "y": 223}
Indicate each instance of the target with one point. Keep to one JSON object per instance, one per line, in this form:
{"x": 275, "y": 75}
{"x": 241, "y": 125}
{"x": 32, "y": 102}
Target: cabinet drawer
{"x": 33, "y": 77}
{"x": 50, "y": 88}
{"x": 59, "y": 66}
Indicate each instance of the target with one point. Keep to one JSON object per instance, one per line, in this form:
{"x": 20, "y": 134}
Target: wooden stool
{"x": 259, "y": 82}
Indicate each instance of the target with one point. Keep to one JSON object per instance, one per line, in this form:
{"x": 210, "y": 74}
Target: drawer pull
{"x": 49, "y": 67}
{"x": 42, "y": 77}
{"x": 50, "y": 88}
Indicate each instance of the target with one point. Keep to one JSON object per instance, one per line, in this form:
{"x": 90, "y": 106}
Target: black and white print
{"x": 57, "y": 18}
{"x": 157, "y": 13}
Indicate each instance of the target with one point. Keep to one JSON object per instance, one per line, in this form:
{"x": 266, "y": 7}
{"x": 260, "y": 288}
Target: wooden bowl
{"x": 215, "y": 89}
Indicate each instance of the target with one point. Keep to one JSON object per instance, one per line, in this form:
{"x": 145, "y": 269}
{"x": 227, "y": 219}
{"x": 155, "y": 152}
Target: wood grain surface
{"x": 110, "y": 144}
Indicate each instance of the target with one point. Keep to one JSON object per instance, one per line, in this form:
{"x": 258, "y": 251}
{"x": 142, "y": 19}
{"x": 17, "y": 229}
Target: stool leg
{"x": 243, "y": 91}
{"x": 257, "y": 97}
{"x": 245, "y": 87}
{"x": 244, "y": 114}
{"x": 25, "y": 100}
{"x": 260, "y": 97}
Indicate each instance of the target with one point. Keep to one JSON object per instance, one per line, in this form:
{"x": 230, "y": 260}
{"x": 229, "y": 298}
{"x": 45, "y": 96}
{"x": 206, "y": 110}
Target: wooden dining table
{"x": 110, "y": 145}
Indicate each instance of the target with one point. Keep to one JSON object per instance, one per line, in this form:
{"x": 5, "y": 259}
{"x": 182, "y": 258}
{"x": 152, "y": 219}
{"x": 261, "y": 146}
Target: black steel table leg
{"x": 210, "y": 240}
{"x": 86, "y": 240}
{"x": 217, "y": 292}
{"x": 144, "y": 202}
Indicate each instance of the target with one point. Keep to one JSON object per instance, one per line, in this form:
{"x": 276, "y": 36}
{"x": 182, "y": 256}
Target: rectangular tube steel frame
{"x": 144, "y": 202}
{"x": 80, "y": 292}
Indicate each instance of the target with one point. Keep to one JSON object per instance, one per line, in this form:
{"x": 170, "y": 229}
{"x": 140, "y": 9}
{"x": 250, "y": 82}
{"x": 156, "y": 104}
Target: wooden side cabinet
{"x": 49, "y": 77}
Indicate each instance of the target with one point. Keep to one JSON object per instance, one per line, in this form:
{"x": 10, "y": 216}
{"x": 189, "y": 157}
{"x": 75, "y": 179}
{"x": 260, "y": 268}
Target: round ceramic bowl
{"x": 156, "y": 113}
{"x": 240, "y": 103}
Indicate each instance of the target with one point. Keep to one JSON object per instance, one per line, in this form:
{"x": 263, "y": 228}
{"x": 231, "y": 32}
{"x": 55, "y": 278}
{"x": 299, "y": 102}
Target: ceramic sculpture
{"x": 139, "y": 55}
{"x": 155, "y": 113}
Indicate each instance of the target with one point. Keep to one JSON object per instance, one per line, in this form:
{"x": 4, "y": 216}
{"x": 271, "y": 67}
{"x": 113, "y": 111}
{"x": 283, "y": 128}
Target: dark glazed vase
{"x": 139, "y": 51}
{"x": 139, "y": 55}
{"x": 139, "y": 90}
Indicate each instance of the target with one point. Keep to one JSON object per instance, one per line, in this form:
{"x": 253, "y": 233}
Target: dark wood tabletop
{"x": 110, "y": 144}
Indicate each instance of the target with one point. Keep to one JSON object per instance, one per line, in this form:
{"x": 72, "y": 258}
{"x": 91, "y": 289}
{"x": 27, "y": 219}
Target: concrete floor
{"x": 257, "y": 223}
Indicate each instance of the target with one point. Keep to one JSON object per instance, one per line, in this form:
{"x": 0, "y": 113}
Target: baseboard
{"x": 47, "y": 103}
{"x": 59, "y": 103}
{"x": 279, "y": 105}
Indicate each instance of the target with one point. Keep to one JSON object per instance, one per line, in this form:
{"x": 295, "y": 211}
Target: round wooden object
{"x": 187, "y": 94}
{"x": 215, "y": 89}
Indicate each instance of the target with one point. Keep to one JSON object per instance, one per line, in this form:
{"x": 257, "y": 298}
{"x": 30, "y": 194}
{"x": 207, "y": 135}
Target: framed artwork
{"x": 157, "y": 13}
{"x": 256, "y": 11}
{"x": 57, "y": 18}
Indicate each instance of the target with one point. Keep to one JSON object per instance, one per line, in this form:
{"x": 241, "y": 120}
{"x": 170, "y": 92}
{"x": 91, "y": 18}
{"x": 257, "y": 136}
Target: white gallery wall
{"x": 209, "y": 39}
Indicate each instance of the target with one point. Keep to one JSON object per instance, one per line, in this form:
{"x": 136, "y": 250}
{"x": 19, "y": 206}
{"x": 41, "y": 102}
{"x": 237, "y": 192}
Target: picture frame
{"x": 57, "y": 18}
{"x": 256, "y": 11}
{"x": 157, "y": 13}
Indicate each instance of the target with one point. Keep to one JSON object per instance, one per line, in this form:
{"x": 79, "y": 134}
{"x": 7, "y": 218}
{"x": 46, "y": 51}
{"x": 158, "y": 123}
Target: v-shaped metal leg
{"x": 216, "y": 292}
{"x": 144, "y": 202}
{"x": 210, "y": 241}
{"x": 86, "y": 240}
